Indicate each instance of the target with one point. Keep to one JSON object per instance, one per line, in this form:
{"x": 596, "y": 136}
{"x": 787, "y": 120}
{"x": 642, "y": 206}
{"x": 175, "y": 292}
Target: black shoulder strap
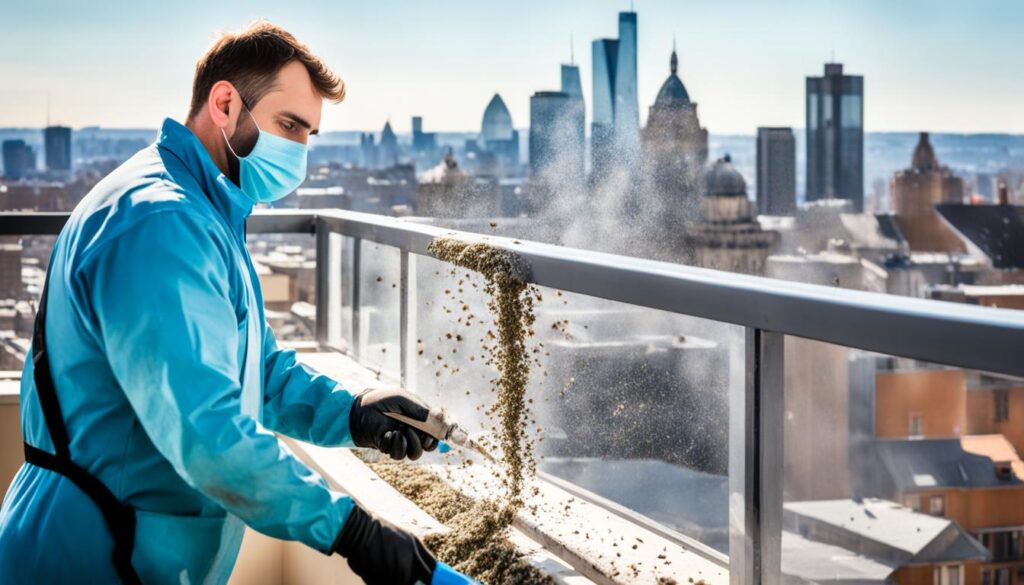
{"x": 120, "y": 519}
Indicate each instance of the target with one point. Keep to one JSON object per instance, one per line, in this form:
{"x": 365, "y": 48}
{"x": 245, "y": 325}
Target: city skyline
{"x": 946, "y": 70}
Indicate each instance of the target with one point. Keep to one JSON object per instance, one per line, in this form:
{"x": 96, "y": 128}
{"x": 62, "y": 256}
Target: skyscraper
{"x": 776, "y": 171}
{"x": 19, "y": 159}
{"x": 616, "y": 124}
{"x": 627, "y": 106}
{"x": 57, "y": 140}
{"x": 835, "y": 136}
{"x": 499, "y": 137}
{"x": 571, "y": 80}
{"x": 388, "y": 150}
{"x": 556, "y": 137}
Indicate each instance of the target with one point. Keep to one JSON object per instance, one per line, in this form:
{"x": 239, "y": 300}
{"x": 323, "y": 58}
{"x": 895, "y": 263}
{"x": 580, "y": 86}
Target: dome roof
{"x": 497, "y": 124}
{"x": 723, "y": 180}
{"x": 672, "y": 92}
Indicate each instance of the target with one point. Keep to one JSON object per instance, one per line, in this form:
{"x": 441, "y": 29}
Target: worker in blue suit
{"x": 154, "y": 386}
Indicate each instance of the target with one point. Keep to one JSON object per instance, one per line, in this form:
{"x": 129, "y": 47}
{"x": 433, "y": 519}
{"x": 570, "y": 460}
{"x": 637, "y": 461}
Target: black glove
{"x": 371, "y": 428}
{"x": 380, "y": 553}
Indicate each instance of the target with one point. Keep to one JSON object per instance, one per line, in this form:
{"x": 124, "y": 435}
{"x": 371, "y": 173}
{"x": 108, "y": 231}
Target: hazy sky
{"x": 939, "y": 65}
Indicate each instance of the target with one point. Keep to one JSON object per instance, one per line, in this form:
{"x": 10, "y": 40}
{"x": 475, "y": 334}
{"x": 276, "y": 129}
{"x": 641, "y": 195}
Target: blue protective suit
{"x": 170, "y": 383}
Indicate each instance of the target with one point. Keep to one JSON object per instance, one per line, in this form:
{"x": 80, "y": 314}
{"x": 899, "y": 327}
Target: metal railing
{"x": 946, "y": 333}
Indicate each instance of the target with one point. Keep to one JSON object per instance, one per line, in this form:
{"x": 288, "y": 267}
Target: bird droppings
{"x": 477, "y": 544}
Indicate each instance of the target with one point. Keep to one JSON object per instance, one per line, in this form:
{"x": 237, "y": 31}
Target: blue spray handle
{"x": 445, "y": 575}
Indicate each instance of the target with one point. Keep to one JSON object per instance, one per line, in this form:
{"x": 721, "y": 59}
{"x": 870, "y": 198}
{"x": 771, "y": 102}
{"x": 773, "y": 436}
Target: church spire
{"x": 924, "y": 155}
{"x": 674, "y": 62}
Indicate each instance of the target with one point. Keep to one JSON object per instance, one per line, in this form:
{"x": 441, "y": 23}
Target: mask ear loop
{"x": 228, "y": 142}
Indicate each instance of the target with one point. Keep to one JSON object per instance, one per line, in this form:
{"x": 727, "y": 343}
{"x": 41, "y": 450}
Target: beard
{"x": 242, "y": 142}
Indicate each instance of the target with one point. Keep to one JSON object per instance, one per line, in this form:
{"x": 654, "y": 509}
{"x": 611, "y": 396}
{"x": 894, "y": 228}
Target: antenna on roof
{"x": 673, "y": 42}
{"x": 572, "y": 51}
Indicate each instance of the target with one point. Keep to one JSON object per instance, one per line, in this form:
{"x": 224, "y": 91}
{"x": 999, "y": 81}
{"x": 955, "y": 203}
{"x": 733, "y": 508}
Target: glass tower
{"x": 616, "y": 122}
{"x": 627, "y": 106}
{"x": 835, "y": 136}
{"x": 776, "y": 171}
{"x": 57, "y": 144}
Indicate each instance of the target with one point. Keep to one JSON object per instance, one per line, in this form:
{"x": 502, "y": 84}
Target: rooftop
{"x": 993, "y": 231}
{"x": 961, "y": 462}
{"x": 882, "y": 529}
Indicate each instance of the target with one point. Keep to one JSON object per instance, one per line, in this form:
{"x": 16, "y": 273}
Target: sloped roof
{"x": 882, "y": 530}
{"x": 997, "y": 231}
{"x": 927, "y": 464}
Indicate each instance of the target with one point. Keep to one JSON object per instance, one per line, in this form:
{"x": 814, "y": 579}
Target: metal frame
{"x": 953, "y": 334}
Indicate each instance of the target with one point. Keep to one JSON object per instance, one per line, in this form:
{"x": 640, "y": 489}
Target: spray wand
{"x": 448, "y": 433}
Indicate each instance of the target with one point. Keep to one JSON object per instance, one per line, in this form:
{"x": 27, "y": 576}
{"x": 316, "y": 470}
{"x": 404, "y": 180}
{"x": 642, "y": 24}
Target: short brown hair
{"x": 250, "y": 59}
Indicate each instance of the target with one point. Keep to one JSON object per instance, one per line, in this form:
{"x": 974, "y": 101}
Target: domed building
{"x": 728, "y": 235}
{"x": 499, "y": 140}
{"x": 497, "y": 123}
{"x": 675, "y": 146}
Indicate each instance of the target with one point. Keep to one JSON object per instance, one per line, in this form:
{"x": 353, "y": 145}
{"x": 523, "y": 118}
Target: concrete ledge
{"x": 573, "y": 538}
{"x": 10, "y": 390}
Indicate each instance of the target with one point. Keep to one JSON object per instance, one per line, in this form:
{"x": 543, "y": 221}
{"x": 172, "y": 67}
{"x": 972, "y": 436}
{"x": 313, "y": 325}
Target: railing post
{"x": 756, "y": 416}
{"x": 323, "y": 283}
{"x": 406, "y": 318}
{"x": 357, "y": 247}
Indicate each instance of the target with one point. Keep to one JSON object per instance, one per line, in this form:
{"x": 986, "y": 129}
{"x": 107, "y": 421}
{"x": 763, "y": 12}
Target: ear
{"x": 224, "y": 105}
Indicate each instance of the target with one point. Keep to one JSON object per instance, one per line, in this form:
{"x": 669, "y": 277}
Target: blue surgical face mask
{"x": 275, "y": 167}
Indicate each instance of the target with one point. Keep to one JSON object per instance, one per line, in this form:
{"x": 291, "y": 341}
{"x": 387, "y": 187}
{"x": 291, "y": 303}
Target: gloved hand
{"x": 381, "y": 553}
{"x": 370, "y": 427}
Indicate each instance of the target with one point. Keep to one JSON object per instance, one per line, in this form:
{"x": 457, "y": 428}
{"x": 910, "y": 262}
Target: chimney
{"x": 1003, "y": 197}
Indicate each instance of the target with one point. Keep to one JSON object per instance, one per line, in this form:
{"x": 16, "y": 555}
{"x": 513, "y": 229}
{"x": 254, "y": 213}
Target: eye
{"x": 288, "y": 126}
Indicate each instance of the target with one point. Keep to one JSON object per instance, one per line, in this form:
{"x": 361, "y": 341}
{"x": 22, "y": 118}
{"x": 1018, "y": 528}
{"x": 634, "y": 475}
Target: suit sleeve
{"x": 300, "y": 402}
{"x": 160, "y": 294}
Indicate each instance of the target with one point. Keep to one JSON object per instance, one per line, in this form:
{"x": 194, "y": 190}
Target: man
{"x": 155, "y": 384}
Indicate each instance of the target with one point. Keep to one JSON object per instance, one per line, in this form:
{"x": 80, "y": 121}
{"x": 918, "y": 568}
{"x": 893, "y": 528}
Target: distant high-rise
{"x": 57, "y": 141}
{"x": 499, "y": 137}
{"x": 571, "y": 80}
{"x": 423, "y": 143}
{"x": 497, "y": 123}
{"x": 835, "y": 136}
{"x": 368, "y": 149}
{"x": 19, "y": 159}
{"x": 388, "y": 149}
{"x": 556, "y": 137}
{"x": 627, "y": 106}
{"x": 776, "y": 171}
{"x": 615, "y": 131}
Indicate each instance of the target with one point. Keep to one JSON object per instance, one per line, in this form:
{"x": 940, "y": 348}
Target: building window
{"x": 1001, "y": 406}
{"x": 915, "y": 424}
{"x": 947, "y": 575}
{"x": 1005, "y": 545}
{"x": 914, "y": 502}
{"x": 937, "y": 506}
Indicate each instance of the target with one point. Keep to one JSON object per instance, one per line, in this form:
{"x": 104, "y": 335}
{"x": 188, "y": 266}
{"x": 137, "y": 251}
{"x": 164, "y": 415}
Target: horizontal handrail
{"x": 954, "y": 334}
